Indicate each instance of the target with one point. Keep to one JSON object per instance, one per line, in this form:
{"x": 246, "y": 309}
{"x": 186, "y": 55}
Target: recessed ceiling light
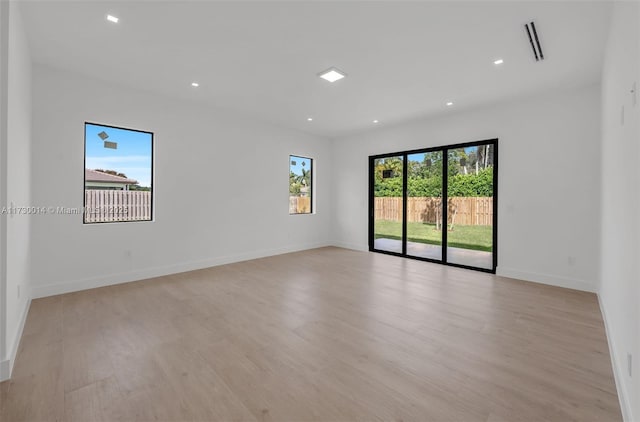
{"x": 309, "y": 119}
{"x": 195, "y": 84}
{"x": 449, "y": 104}
{"x": 332, "y": 74}
{"x": 499, "y": 61}
{"x": 112, "y": 18}
{"x": 376, "y": 121}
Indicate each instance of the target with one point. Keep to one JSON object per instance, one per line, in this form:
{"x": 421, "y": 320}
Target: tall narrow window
{"x": 300, "y": 185}
{"x": 118, "y": 174}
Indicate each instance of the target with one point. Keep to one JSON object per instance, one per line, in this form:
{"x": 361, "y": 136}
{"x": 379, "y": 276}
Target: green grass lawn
{"x": 479, "y": 238}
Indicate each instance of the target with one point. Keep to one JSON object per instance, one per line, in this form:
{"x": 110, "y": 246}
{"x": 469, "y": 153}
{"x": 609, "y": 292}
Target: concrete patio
{"x": 460, "y": 256}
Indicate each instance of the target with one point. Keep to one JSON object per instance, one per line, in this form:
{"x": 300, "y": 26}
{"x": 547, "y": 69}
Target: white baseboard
{"x": 126, "y": 277}
{"x": 569, "y": 283}
{"x": 618, "y": 373}
{"x": 566, "y": 282}
{"x": 6, "y": 366}
{"x": 5, "y": 369}
{"x": 354, "y": 246}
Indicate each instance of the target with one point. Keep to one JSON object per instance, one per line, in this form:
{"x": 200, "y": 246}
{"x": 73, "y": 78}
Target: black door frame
{"x": 445, "y": 183}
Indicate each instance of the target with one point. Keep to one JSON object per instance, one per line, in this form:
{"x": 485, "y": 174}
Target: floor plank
{"x": 321, "y": 335}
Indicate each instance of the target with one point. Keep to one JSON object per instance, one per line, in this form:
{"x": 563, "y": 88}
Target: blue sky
{"x": 297, "y": 168}
{"x": 133, "y": 156}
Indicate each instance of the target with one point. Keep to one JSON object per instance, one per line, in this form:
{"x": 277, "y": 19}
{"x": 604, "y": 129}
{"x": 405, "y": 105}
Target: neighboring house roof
{"x": 98, "y": 176}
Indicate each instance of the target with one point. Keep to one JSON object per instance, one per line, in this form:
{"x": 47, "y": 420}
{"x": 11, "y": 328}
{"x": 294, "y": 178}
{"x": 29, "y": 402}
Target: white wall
{"x": 619, "y": 291}
{"x": 4, "y": 70}
{"x": 220, "y": 187}
{"x": 17, "y": 174}
{"x": 549, "y": 184}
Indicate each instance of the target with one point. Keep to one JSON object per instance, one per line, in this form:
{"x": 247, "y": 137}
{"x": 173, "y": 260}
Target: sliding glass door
{"x": 388, "y": 209}
{"x": 436, "y": 204}
{"x": 424, "y": 205}
{"x": 470, "y": 204}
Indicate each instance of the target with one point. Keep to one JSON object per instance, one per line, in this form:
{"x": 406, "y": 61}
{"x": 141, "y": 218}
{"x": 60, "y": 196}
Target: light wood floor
{"x": 328, "y": 334}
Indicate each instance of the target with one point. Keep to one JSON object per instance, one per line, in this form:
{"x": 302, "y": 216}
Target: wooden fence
{"x": 299, "y": 205}
{"x": 469, "y": 211}
{"x": 116, "y": 205}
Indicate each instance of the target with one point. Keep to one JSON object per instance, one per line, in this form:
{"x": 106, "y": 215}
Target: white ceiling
{"x": 403, "y": 59}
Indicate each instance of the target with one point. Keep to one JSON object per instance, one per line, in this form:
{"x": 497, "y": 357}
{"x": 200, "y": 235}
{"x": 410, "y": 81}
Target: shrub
{"x": 460, "y": 185}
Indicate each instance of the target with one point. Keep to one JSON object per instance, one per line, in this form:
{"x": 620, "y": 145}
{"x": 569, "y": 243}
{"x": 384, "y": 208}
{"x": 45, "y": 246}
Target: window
{"x": 437, "y": 204}
{"x": 118, "y": 174}
{"x": 300, "y": 185}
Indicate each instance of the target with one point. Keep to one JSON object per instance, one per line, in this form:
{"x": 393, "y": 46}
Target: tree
{"x": 468, "y": 174}
{"x": 485, "y": 156}
{"x": 294, "y": 185}
{"x": 392, "y": 163}
{"x": 304, "y": 178}
{"x": 471, "y": 184}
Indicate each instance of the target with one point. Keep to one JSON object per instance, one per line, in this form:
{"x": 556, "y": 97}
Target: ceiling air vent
{"x": 534, "y": 40}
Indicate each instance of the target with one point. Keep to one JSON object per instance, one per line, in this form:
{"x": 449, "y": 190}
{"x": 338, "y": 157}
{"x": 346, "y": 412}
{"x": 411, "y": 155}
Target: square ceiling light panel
{"x": 332, "y": 74}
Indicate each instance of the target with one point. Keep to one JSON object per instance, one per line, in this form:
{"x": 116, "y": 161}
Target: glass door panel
{"x": 424, "y": 205}
{"x": 470, "y": 206}
{"x": 388, "y": 208}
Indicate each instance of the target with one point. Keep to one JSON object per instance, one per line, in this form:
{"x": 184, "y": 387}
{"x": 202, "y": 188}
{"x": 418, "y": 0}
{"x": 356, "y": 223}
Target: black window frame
{"x": 84, "y": 176}
{"x": 445, "y": 149}
{"x": 311, "y": 187}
